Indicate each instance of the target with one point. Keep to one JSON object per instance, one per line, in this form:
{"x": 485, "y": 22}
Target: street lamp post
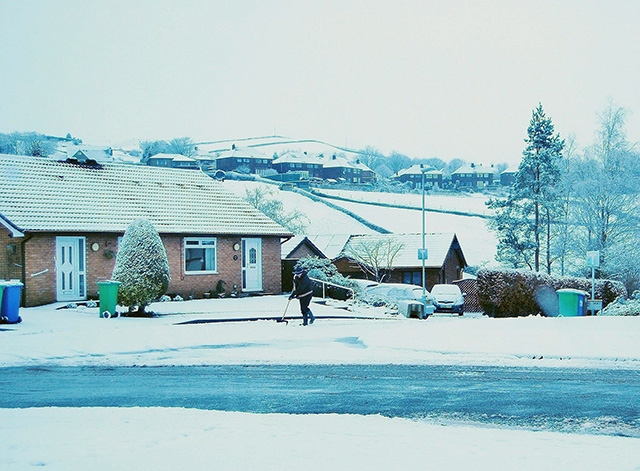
{"x": 423, "y": 253}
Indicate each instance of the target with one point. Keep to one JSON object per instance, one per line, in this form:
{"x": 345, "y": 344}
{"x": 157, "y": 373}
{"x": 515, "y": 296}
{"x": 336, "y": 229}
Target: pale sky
{"x": 448, "y": 79}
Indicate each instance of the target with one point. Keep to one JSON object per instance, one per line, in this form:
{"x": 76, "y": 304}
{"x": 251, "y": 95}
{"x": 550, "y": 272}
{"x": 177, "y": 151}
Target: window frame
{"x": 200, "y": 245}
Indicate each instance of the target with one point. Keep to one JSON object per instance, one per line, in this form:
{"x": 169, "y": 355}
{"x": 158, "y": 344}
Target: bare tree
{"x": 266, "y": 200}
{"x": 606, "y": 193}
{"x": 374, "y": 256}
{"x": 182, "y": 145}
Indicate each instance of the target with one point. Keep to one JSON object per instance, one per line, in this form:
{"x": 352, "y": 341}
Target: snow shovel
{"x": 285, "y": 313}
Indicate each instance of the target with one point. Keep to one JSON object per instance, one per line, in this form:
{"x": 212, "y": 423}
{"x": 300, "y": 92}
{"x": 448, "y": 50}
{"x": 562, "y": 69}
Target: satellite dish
{"x": 219, "y": 175}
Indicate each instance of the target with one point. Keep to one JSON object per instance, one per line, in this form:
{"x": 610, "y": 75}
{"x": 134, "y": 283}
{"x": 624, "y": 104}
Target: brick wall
{"x": 101, "y": 249}
{"x": 271, "y": 265}
{"x": 10, "y": 257}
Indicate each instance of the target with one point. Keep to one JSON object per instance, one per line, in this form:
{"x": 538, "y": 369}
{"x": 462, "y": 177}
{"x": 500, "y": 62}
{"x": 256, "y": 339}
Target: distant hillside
{"x": 277, "y": 144}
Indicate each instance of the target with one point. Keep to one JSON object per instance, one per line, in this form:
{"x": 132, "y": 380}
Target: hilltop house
{"x": 413, "y": 176}
{"x": 366, "y": 174}
{"x": 100, "y": 154}
{"x": 339, "y": 169}
{"x": 243, "y": 159}
{"x": 445, "y": 262}
{"x": 474, "y": 176}
{"x": 60, "y": 224}
{"x": 173, "y": 161}
{"x": 307, "y": 166}
{"x": 508, "y": 176}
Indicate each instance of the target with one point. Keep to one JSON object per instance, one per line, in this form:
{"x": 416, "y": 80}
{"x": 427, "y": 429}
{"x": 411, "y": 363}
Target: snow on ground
{"x": 186, "y": 439}
{"x": 474, "y": 203}
{"x": 477, "y": 242}
{"x": 175, "y": 438}
{"x": 79, "y": 337}
{"x": 321, "y": 218}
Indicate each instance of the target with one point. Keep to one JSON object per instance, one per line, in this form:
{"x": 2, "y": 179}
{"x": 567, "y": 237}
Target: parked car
{"x": 364, "y": 284}
{"x": 448, "y": 298}
{"x": 392, "y": 294}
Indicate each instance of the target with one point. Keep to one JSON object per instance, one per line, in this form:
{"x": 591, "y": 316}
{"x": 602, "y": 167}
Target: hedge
{"x": 516, "y": 293}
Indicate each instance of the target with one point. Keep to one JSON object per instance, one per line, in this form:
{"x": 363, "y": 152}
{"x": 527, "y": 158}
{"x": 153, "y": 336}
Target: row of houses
{"x": 305, "y": 166}
{"x": 469, "y": 175}
{"x": 337, "y": 168}
{"x": 61, "y": 223}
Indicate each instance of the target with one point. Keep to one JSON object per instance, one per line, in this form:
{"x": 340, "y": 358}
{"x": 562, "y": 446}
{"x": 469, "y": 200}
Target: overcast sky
{"x": 448, "y": 79}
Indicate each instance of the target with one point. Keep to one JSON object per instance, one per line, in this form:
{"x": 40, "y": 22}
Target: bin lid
{"x": 10, "y": 283}
{"x": 109, "y": 282}
{"x": 572, "y": 291}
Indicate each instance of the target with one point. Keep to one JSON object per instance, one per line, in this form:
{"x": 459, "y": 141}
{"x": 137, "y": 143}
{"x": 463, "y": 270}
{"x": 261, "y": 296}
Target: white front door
{"x": 70, "y": 268}
{"x": 251, "y": 264}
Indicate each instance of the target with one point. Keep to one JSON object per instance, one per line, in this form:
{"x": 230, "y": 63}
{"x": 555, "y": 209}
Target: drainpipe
{"x": 23, "y": 260}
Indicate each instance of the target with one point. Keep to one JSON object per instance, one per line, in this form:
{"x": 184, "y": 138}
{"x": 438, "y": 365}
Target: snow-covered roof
{"x": 104, "y": 154}
{"x": 361, "y": 165}
{"x": 297, "y": 158}
{"x": 475, "y": 168}
{"x": 243, "y": 152}
{"x": 416, "y": 170}
{"x": 337, "y": 161}
{"x": 437, "y": 245}
{"x": 40, "y": 195}
{"x": 330, "y": 245}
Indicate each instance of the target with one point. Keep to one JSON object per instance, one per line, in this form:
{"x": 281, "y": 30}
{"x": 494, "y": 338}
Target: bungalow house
{"x": 413, "y": 176}
{"x": 445, "y": 261}
{"x": 244, "y": 160}
{"x": 339, "y": 169}
{"x": 308, "y": 166}
{"x": 473, "y": 175}
{"x": 60, "y": 224}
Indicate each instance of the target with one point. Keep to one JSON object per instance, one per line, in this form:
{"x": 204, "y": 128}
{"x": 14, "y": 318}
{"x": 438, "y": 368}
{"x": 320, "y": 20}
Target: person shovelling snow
{"x": 303, "y": 290}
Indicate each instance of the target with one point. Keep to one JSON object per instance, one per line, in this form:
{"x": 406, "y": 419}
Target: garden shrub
{"x": 514, "y": 293}
{"x": 623, "y": 306}
{"x": 322, "y": 269}
{"x": 141, "y": 267}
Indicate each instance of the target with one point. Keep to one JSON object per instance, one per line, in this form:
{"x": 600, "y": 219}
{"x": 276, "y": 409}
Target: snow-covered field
{"x": 477, "y": 242}
{"x": 174, "y": 438}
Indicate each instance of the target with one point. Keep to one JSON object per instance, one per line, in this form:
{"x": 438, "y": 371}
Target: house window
{"x": 200, "y": 255}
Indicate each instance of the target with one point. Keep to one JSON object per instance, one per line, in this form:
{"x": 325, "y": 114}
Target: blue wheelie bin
{"x": 10, "y": 304}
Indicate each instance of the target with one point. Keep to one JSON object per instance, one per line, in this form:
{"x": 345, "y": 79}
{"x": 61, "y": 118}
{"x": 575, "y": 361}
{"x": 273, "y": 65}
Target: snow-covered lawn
{"x": 173, "y": 438}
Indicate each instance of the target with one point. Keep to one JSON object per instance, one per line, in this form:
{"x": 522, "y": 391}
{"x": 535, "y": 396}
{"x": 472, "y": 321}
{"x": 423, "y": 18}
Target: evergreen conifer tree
{"x": 525, "y": 221}
{"x": 141, "y": 267}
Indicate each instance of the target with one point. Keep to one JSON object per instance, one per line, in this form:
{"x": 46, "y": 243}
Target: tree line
{"x": 32, "y": 143}
{"x": 566, "y": 202}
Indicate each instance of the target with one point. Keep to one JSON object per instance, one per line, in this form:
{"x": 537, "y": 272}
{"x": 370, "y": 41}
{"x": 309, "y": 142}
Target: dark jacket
{"x": 302, "y": 286}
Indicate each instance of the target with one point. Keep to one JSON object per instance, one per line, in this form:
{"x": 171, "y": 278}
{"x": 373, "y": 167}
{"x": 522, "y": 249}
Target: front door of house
{"x": 251, "y": 264}
{"x": 70, "y": 268}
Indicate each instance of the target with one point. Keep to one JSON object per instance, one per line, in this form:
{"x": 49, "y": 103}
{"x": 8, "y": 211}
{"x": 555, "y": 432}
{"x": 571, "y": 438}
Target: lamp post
{"x": 423, "y": 251}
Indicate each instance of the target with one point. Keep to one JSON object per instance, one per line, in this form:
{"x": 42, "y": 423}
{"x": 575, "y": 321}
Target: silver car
{"x": 384, "y": 293}
{"x": 448, "y": 298}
